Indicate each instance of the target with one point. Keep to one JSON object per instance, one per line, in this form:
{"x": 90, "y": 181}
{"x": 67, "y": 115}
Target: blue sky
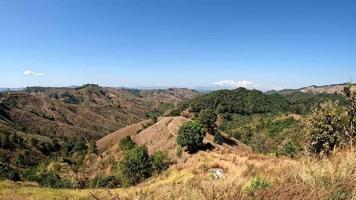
{"x": 263, "y": 44}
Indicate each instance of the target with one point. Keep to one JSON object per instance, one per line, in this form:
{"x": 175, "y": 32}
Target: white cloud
{"x": 32, "y": 73}
{"x": 234, "y": 84}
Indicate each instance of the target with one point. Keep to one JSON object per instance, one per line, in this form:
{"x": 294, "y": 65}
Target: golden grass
{"x": 305, "y": 178}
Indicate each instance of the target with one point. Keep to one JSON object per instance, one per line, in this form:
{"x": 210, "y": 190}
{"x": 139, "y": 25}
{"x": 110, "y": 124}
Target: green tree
{"x": 350, "y": 119}
{"x": 160, "y": 162}
{"x": 325, "y": 129}
{"x": 135, "y": 166}
{"x": 208, "y": 118}
{"x": 191, "y": 135}
{"x": 126, "y": 143}
{"x": 333, "y": 125}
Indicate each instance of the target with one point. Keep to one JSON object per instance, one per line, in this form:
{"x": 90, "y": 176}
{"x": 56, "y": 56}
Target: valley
{"x": 258, "y": 142}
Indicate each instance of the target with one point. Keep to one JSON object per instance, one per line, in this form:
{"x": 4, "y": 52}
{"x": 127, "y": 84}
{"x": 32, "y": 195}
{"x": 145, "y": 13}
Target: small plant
{"x": 179, "y": 152}
{"x": 135, "y": 166}
{"x": 257, "y": 183}
{"x": 92, "y": 148}
{"x": 126, "y": 143}
{"x": 160, "y": 162}
{"x": 289, "y": 149}
{"x": 218, "y": 138}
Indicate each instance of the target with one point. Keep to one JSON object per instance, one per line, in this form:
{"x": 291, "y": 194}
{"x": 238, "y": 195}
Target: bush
{"x": 179, "y": 152}
{"x": 6, "y": 172}
{"x": 325, "y": 132}
{"x": 160, "y": 162}
{"x": 135, "y": 166}
{"x": 257, "y": 183}
{"x": 92, "y": 148}
{"x": 5, "y": 143}
{"x": 191, "y": 135}
{"x": 333, "y": 125}
{"x": 80, "y": 147}
{"x": 104, "y": 182}
{"x": 52, "y": 180}
{"x": 13, "y": 176}
{"x": 289, "y": 149}
{"x": 126, "y": 143}
{"x": 218, "y": 138}
{"x": 25, "y": 158}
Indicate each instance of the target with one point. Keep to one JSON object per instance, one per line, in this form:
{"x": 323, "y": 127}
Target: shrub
{"x": 325, "y": 129}
{"x": 160, "y": 162}
{"x": 257, "y": 183}
{"x": 13, "y": 139}
{"x": 4, "y": 157}
{"x": 333, "y": 125}
{"x": 50, "y": 179}
{"x": 191, "y": 135}
{"x": 135, "y": 166}
{"x": 104, "y": 182}
{"x": 25, "y": 159}
{"x": 80, "y": 147}
{"x": 6, "y": 172}
{"x": 5, "y": 143}
{"x": 288, "y": 148}
{"x": 179, "y": 152}
{"x": 92, "y": 148}
{"x": 218, "y": 138}
{"x": 126, "y": 143}
{"x": 13, "y": 176}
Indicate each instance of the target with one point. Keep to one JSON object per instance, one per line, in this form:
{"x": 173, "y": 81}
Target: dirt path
{"x": 169, "y": 129}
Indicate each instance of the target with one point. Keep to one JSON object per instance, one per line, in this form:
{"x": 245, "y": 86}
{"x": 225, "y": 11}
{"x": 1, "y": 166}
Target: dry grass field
{"x": 279, "y": 178}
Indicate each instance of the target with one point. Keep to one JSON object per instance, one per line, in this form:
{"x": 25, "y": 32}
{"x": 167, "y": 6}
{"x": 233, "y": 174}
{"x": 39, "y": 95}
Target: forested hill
{"x": 244, "y": 101}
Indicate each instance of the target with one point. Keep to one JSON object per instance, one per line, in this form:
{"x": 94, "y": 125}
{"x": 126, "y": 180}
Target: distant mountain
{"x": 10, "y": 89}
{"x": 314, "y": 89}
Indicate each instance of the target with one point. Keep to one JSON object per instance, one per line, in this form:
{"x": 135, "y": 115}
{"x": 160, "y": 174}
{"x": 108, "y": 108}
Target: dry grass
{"x": 306, "y": 178}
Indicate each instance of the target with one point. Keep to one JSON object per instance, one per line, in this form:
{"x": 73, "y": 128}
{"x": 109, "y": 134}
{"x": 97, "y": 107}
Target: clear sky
{"x": 183, "y": 43}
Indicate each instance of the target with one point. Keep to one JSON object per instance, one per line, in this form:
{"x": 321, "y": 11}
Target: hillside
{"x": 39, "y": 123}
{"x": 331, "y": 89}
{"x": 314, "y": 89}
{"x": 87, "y": 112}
{"x": 263, "y": 154}
{"x": 160, "y": 136}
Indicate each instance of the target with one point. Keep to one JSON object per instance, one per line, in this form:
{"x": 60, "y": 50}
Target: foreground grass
{"x": 10, "y": 190}
{"x": 246, "y": 176}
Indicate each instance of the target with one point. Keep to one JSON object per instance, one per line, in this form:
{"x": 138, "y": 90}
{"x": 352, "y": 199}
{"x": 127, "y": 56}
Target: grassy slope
{"x": 304, "y": 178}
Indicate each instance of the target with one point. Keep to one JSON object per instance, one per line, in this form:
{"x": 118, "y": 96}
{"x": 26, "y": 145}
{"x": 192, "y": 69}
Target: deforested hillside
{"x": 316, "y": 89}
{"x": 39, "y": 123}
{"x": 87, "y": 112}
